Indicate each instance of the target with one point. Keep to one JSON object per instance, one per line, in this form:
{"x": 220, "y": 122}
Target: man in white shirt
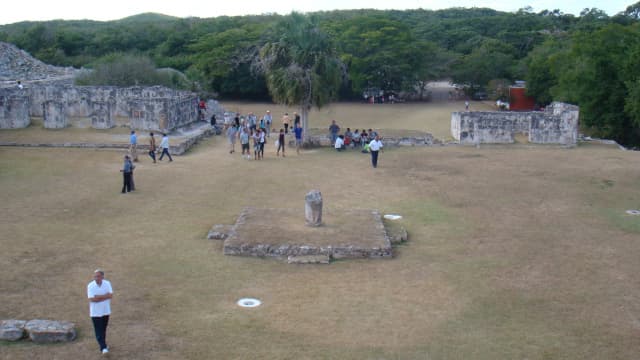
{"x": 374, "y": 146}
{"x": 268, "y": 119}
{"x": 99, "y": 293}
{"x": 164, "y": 144}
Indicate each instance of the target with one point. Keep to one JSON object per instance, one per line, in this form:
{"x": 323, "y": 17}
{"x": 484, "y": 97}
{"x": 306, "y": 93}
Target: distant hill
{"x": 146, "y": 17}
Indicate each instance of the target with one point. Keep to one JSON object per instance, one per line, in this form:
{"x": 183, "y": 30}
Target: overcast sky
{"x": 117, "y": 9}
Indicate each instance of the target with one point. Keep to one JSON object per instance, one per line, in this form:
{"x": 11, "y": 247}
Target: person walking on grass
{"x": 133, "y": 145}
{"x": 280, "y": 143}
{"x": 256, "y": 145}
{"x": 164, "y": 144}
{"x": 133, "y": 181}
{"x": 232, "y": 132}
{"x": 268, "y": 121}
{"x": 375, "y": 146}
{"x": 296, "y": 119}
{"x": 126, "y": 171}
{"x": 262, "y": 139}
{"x": 99, "y": 292}
{"x": 152, "y": 147}
{"x": 244, "y": 142}
{"x": 298, "y": 133}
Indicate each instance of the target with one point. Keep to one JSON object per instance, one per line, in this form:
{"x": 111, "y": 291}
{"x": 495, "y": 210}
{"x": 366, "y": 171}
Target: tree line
{"x": 590, "y": 60}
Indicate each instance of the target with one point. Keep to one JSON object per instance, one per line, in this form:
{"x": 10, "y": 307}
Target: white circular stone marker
{"x": 633, "y": 212}
{"x": 393, "y": 217}
{"x": 249, "y": 302}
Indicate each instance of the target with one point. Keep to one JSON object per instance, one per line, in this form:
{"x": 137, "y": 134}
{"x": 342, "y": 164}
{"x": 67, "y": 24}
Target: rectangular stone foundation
{"x": 282, "y": 233}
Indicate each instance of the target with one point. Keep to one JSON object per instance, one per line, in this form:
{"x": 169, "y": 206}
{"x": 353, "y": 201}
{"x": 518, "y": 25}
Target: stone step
{"x": 12, "y": 330}
{"x": 308, "y": 259}
{"x": 50, "y": 331}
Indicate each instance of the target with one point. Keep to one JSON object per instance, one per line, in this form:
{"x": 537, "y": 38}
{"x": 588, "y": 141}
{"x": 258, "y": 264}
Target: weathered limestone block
{"x": 54, "y": 115}
{"x": 308, "y": 259}
{"x": 49, "y": 331}
{"x": 558, "y": 124}
{"x": 14, "y": 109}
{"x": 313, "y": 208}
{"x": 219, "y": 232}
{"x": 102, "y": 114}
{"x": 12, "y": 330}
{"x": 397, "y": 235}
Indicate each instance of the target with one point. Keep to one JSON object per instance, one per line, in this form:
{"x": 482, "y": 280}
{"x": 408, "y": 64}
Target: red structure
{"x": 519, "y": 101}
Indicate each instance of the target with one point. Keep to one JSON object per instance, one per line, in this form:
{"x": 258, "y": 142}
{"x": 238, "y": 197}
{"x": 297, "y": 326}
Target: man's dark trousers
{"x": 100, "y": 328}
{"x": 374, "y": 158}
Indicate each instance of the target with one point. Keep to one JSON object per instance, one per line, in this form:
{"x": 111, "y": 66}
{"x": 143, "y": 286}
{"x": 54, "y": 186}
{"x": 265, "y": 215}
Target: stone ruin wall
{"x": 144, "y": 108}
{"x": 14, "y": 109}
{"x": 558, "y": 124}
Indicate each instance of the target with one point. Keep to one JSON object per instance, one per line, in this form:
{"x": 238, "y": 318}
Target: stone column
{"x": 54, "y": 115}
{"x": 313, "y": 208}
{"x": 102, "y": 114}
{"x": 14, "y": 109}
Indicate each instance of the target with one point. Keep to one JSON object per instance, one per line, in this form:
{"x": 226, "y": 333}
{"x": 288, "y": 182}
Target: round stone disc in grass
{"x": 249, "y": 302}
{"x": 633, "y": 212}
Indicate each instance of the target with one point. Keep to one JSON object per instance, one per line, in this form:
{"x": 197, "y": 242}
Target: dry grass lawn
{"x": 515, "y": 252}
{"x": 434, "y": 118}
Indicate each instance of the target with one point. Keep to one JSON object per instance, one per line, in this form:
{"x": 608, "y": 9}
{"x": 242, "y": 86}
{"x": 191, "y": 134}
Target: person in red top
{"x": 202, "y": 109}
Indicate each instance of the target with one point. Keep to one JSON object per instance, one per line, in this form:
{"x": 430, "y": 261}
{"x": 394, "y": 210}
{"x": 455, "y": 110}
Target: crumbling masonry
{"x": 143, "y": 108}
{"x": 558, "y": 124}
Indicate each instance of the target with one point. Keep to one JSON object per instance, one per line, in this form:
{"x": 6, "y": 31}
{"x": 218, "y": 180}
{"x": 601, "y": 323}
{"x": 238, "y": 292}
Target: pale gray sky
{"x": 117, "y": 9}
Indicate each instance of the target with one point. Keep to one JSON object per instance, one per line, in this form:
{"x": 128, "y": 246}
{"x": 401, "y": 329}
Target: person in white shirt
{"x": 339, "y": 145}
{"x": 164, "y": 144}
{"x": 374, "y": 146}
{"x": 100, "y": 293}
{"x": 268, "y": 119}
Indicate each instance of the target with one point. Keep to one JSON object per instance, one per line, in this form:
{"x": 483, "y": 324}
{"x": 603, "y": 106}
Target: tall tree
{"x": 493, "y": 59}
{"x": 301, "y": 66}
{"x": 600, "y": 80}
{"x": 543, "y": 66}
{"x": 377, "y": 51}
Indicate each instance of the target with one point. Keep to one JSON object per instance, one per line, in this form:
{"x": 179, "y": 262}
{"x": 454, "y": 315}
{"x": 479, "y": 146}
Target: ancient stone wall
{"x": 54, "y": 115}
{"x": 14, "y": 108}
{"x": 148, "y": 108}
{"x": 558, "y": 124}
{"x": 102, "y": 115}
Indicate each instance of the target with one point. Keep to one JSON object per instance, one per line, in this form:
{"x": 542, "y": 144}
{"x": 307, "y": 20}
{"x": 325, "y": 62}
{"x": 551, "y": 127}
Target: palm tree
{"x": 301, "y": 66}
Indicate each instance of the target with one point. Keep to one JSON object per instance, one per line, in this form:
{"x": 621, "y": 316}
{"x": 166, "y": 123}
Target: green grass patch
{"x": 621, "y": 220}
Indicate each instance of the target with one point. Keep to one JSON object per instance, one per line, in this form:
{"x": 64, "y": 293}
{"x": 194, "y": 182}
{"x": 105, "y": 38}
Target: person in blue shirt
{"x": 298, "y": 132}
{"x": 133, "y": 145}
{"x": 126, "y": 171}
{"x": 334, "y": 129}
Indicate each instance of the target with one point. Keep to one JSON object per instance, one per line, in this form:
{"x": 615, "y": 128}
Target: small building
{"x": 518, "y": 98}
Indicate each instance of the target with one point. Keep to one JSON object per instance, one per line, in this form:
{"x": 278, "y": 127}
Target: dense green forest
{"x": 592, "y": 60}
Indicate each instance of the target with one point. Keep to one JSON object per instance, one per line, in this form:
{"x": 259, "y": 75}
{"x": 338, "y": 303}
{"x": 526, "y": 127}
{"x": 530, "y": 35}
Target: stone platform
{"x": 282, "y": 233}
{"x": 180, "y": 140}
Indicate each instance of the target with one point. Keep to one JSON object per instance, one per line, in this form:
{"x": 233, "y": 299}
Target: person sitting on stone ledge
{"x": 339, "y": 145}
{"x": 356, "y": 138}
{"x": 364, "y": 136}
{"x": 347, "y": 142}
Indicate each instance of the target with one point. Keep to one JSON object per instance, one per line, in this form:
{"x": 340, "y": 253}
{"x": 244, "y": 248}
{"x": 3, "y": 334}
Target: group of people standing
{"x": 249, "y": 129}
{"x": 128, "y": 184}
